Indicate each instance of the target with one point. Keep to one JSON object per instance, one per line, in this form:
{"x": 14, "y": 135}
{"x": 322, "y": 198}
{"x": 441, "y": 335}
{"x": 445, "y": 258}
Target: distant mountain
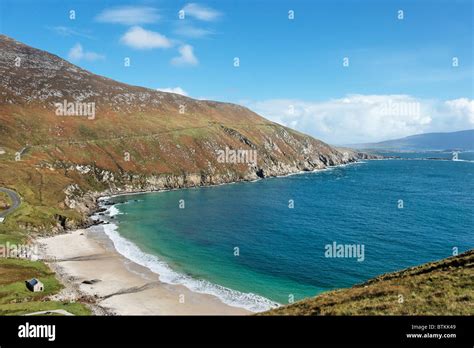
{"x": 462, "y": 140}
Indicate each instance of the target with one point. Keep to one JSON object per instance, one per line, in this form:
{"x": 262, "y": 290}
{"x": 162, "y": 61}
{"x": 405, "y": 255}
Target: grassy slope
{"x": 15, "y": 299}
{"x": 169, "y": 144}
{"x": 444, "y": 287}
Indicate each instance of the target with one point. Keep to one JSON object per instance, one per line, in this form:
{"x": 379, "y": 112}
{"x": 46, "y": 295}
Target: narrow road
{"x": 58, "y": 311}
{"x": 140, "y": 136}
{"x": 16, "y": 201}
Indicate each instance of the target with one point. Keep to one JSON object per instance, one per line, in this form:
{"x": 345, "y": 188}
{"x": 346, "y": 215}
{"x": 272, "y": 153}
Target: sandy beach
{"x": 116, "y": 285}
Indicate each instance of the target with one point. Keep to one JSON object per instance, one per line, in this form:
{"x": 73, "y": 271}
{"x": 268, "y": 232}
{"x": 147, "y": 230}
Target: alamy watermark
{"x": 336, "y": 250}
{"x": 37, "y": 331}
{"x": 75, "y": 109}
{"x": 24, "y": 251}
{"x": 237, "y": 156}
{"x": 400, "y": 108}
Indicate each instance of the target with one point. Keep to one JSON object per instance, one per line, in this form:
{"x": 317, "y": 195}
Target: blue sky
{"x": 285, "y": 64}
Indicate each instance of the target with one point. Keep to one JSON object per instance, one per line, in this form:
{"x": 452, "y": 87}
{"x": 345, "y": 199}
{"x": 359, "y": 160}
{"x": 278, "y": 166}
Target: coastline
{"x": 92, "y": 271}
{"x": 126, "y": 287}
{"x": 100, "y": 243}
{"x": 110, "y": 194}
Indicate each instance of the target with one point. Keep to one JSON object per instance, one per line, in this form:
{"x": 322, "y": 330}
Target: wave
{"x": 113, "y": 211}
{"x": 248, "y": 301}
{"x": 463, "y": 160}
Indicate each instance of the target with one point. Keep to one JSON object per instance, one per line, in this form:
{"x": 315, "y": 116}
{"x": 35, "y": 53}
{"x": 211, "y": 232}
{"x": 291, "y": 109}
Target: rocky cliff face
{"x": 74, "y": 129}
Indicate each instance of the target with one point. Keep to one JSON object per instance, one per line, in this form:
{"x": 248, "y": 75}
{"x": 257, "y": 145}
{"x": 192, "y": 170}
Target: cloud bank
{"x": 361, "y": 118}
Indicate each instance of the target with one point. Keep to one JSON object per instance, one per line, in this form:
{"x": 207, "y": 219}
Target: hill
{"x": 462, "y": 140}
{"x": 70, "y": 135}
{"x": 444, "y": 287}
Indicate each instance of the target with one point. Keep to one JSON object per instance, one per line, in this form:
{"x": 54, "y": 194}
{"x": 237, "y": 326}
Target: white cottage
{"x": 34, "y": 285}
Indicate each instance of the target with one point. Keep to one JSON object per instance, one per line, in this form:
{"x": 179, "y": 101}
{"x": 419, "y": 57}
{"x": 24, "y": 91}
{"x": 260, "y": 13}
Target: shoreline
{"x": 129, "y": 250}
{"x": 93, "y": 244}
{"x": 92, "y": 271}
{"x": 104, "y": 195}
{"x": 137, "y": 289}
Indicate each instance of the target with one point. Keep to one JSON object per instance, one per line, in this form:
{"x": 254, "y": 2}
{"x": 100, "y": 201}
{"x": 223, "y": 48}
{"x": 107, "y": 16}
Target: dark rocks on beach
{"x": 91, "y": 282}
{"x": 96, "y": 222}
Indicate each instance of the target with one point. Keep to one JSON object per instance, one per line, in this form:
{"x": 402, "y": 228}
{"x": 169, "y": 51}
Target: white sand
{"x": 125, "y": 288}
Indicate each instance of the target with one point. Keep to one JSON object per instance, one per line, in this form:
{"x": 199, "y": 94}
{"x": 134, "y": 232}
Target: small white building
{"x": 34, "y": 285}
{"x": 2, "y": 219}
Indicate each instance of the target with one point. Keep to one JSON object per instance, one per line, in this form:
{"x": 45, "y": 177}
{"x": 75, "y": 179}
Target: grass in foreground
{"x": 444, "y": 287}
{"x": 16, "y": 299}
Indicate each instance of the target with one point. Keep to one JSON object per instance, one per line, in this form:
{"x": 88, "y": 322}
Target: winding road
{"x": 15, "y": 198}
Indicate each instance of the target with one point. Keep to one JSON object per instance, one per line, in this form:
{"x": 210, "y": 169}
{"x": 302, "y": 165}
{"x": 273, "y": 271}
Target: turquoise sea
{"x": 243, "y": 242}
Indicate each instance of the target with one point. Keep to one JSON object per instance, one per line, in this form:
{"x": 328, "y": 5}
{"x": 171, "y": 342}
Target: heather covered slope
{"x": 138, "y": 139}
{"x": 444, "y": 287}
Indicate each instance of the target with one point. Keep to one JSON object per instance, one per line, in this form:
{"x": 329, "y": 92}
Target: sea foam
{"x": 113, "y": 211}
{"x": 248, "y": 301}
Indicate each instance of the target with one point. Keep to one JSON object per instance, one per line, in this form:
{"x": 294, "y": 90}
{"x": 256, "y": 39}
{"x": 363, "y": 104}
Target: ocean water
{"x": 282, "y": 251}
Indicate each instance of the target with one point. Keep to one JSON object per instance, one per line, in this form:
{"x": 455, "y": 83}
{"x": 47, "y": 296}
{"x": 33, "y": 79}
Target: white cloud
{"x": 177, "y": 90}
{"x": 129, "y": 15}
{"x": 191, "y": 31}
{"x": 77, "y": 53}
{"x": 201, "y": 12}
{"x": 368, "y": 118}
{"x": 139, "y": 38}
{"x": 67, "y": 31}
{"x": 186, "y": 56}
{"x": 462, "y": 108}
